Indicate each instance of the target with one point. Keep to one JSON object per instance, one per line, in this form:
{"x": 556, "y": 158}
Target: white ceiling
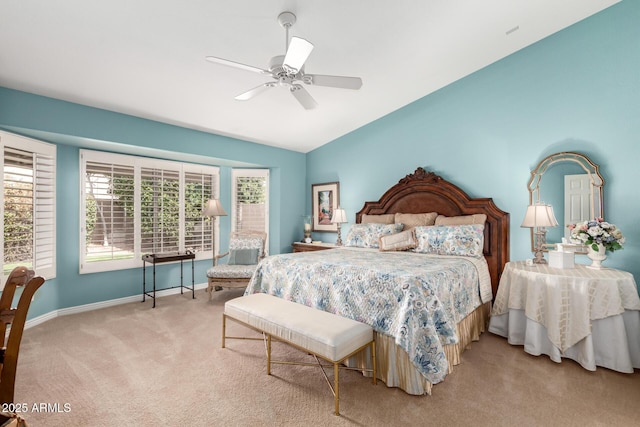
{"x": 146, "y": 57}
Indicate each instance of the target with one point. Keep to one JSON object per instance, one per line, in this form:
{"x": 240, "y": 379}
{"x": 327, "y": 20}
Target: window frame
{"x": 139, "y": 163}
{"x": 249, "y": 173}
{"x": 44, "y": 182}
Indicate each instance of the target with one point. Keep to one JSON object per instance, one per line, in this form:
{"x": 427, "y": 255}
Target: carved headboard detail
{"x": 424, "y": 191}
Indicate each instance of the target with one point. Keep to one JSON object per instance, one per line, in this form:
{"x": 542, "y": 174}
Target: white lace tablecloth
{"x": 565, "y": 301}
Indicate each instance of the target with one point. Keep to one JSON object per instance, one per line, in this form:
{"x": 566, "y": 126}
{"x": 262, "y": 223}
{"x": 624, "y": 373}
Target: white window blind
{"x": 250, "y": 200}
{"x": 28, "y": 204}
{"x": 45, "y": 212}
{"x": 160, "y": 210}
{"x": 109, "y": 207}
{"x": 199, "y": 186}
{"x": 134, "y": 206}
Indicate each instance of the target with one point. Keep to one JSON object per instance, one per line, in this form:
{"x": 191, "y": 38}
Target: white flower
{"x": 597, "y": 231}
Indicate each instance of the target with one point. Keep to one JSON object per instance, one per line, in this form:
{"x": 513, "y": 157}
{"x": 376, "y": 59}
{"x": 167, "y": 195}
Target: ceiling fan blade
{"x": 303, "y": 97}
{"x": 254, "y": 92}
{"x": 236, "y": 65}
{"x": 297, "y": 53}
{"x": 342, "y": 82}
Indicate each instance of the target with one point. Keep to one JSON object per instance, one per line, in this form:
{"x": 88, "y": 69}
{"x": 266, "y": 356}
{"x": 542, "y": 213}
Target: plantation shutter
{"x": 45, "y": 212}
{"x": 28, "y": 204}
{"x": 19, "y": 188}
{"x": 250, "y": 199}
{"x": 199, "y": 187}
{"x": 137, "y": 205}
{"x": 160, "y": 210}
{"x": 109, "y": 206}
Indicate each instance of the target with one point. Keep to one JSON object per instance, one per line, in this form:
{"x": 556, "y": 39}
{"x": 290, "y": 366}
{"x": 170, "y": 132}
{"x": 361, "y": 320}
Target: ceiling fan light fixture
{"x": 297, "y": 53}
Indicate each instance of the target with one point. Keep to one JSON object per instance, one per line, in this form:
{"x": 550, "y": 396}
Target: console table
{"x": 590, "y": 316}
{"x": 161, "y": 258}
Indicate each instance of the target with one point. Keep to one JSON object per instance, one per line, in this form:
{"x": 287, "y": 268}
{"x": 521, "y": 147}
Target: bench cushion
{"x": 328, "y": 335}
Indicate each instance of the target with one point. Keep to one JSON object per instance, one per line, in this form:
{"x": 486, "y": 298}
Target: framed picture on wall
{"x": 325, "y": 198}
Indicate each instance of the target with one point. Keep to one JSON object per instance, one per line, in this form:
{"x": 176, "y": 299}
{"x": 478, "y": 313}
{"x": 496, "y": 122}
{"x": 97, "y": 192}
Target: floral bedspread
{"x": 415, "y": 298}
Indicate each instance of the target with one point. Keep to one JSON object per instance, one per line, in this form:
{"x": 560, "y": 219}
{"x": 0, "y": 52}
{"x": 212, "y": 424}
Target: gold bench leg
{"x": 224, "y": 328}
{"x": 337, "y": 387}
{"x": 268, "y": 354}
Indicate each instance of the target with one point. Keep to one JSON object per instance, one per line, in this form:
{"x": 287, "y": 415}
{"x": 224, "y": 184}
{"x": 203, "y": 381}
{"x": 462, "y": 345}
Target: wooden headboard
{"x": 424, "y": 191}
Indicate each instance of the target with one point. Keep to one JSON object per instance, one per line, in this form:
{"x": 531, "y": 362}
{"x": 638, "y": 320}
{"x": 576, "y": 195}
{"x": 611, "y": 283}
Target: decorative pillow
{"x": 243, "y": 257}
{"x": 398, "y": 241}
{"x": 462, "y": 240}
{"x": 461, "y": 220}
{"x": 415, "y": 220}
{"x": 245, "y": 243}
{"x": 367, "y": 235}
{"x": 378, "y": 219}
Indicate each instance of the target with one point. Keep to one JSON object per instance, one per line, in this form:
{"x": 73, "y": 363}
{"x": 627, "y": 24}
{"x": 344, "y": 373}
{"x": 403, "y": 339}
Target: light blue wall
{"x": 73, "y": 127}
{"x": 578, "y": 90}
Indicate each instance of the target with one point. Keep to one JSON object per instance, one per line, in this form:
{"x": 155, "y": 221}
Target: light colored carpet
{"x": 132, "y": 365}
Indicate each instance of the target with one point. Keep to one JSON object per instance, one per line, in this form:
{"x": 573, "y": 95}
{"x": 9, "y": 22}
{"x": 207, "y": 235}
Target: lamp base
{"x": 339, "y": 241}
{"x": 539, "y": 258}
{"x": 541, "y": 239}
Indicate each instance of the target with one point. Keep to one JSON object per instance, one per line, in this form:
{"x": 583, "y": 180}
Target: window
{"x": 28, "y": 205}
{"x": 134, "y": 206}
{"x": 250, "y": 200}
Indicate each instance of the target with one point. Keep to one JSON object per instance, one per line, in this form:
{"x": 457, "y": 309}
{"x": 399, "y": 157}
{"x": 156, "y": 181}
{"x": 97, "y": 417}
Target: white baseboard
{"x": 98, "y": 305}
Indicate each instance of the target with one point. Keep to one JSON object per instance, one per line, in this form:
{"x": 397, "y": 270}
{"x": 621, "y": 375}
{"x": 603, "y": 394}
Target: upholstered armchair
{"x": 246, "y": 250}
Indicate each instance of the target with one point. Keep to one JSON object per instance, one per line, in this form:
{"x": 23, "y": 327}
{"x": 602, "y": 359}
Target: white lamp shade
{"x": 539, "y": 216}
{"x": 339, "y": 216}
{"x": 213, "y": 208}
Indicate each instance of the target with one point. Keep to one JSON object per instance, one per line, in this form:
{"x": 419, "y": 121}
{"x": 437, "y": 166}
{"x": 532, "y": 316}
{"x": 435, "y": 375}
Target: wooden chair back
{"x": 16, "y": 317}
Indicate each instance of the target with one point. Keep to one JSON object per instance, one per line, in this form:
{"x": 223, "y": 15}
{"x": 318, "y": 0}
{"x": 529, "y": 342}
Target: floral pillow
{"x": 461, "y": 240}
{"x": 368, "y": 235}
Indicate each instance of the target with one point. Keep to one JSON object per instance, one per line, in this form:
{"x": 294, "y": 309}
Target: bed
{"x": 425, "y": 306}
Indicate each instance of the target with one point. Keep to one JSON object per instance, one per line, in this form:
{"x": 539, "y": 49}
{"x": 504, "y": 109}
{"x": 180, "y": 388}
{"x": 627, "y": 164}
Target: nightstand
{"x": 309, "y": 247}
{"x": 588, "y": 315}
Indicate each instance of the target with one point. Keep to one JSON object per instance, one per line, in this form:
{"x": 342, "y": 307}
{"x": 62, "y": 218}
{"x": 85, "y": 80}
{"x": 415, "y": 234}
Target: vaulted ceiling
{"x": 147, "y": 57}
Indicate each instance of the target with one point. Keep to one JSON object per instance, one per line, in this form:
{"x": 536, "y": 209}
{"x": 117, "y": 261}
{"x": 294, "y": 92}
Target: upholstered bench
{"x": 322, "y": 334}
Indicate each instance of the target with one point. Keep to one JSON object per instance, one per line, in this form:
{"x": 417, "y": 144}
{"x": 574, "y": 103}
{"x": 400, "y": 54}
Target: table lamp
{"x": 339, "y": 217}
{"x": 213, "y": 209}
{"x": 539, "y": 217}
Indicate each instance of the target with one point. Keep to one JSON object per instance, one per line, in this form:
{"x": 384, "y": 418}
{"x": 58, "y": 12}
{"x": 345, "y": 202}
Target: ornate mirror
{"x": 572, "y": 185}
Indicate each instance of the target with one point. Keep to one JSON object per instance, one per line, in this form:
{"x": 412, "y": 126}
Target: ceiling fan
{"x": 288, "y": 70}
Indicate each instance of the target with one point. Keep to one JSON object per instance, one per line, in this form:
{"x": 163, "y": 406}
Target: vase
{"x": 596, "y": 257}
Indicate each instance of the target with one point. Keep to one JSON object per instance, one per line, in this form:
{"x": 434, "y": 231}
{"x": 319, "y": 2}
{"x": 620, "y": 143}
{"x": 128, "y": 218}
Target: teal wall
{"x": 577, "y": 90}
{"x": 73, "y": 127}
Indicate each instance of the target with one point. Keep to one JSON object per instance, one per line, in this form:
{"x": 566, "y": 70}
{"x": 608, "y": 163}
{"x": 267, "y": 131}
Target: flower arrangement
{"x": 597, "y": 231}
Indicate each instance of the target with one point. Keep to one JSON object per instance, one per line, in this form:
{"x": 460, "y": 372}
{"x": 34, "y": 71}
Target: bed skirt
{"x": 396, "y": 370}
